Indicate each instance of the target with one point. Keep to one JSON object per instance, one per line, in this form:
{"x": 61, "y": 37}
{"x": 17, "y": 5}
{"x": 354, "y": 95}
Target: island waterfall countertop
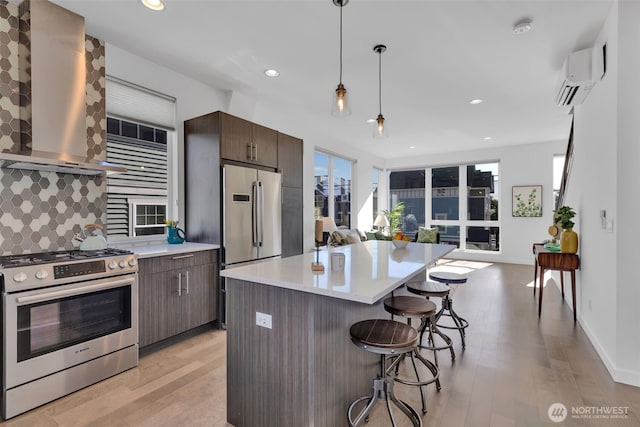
{"x": 372, "y": 270}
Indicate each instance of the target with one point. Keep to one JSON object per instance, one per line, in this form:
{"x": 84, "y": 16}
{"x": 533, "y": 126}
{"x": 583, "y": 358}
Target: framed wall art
{"x": 527, "y": 201}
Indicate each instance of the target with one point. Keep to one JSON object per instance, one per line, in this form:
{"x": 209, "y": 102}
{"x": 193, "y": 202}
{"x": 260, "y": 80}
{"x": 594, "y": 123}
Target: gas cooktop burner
{"x": 53, "y": 257}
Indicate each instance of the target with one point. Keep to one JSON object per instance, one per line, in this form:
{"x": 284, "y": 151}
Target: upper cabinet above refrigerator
{"x": 247, "y": 142}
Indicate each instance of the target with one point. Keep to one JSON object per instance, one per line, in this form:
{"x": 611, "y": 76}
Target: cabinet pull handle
{"x": 256, "y": 157}
{"x": 183, "y": 256}
{"x": 179, "y": 284}
{"x": 250, "y": 151}
{"x": 186, "y": 276}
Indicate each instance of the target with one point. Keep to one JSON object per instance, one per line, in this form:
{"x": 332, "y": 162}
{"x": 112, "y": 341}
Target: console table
{"x": 548, "y": 260}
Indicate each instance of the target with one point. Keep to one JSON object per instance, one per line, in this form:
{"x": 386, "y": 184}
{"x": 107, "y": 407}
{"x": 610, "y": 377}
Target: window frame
{"x": 331, "y": 187}
{"x": 463, "y": 192}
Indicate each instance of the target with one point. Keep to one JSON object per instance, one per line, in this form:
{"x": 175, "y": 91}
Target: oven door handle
{"x": 75, "y": 291}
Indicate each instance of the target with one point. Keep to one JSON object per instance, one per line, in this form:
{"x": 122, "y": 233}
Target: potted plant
{"x": 394, "y": 216}
{"x": 568, "y": 238}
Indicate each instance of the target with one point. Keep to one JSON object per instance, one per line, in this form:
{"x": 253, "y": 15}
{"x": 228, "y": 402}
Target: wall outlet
{"x": 263, "y": 320}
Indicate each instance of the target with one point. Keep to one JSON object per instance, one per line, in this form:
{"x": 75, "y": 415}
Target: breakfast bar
{"x": 290, "y": 360}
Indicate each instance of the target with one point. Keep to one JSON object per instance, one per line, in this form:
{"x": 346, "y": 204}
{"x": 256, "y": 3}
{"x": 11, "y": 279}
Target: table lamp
{"x": 317, "y": 266}
{"x": 381, "y": 222}
{"x": 324, "y": 225}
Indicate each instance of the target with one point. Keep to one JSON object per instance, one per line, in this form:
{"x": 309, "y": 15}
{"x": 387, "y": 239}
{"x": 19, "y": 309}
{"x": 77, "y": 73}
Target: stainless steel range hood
{"x": 57, "y": 111}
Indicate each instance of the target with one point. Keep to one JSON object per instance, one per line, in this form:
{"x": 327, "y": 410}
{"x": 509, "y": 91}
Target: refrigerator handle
{"x": 254, "y": 213}
{"x": 261, "y": 208}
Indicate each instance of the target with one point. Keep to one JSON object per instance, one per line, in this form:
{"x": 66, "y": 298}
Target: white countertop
{"x": 159, "y": 249}
{"x": 372, "y": 270}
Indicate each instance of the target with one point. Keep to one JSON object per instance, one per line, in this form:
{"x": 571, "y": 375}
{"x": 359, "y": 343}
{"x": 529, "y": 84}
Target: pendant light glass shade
{"x": 380, "y": 129}
{"x": 341, "y": 106}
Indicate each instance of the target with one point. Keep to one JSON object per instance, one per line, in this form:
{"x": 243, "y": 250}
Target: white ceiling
{"x": 441, "y": 54}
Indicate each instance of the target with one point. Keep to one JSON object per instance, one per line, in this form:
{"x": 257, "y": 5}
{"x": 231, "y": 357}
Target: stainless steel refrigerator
{"x": 251, "y": 215}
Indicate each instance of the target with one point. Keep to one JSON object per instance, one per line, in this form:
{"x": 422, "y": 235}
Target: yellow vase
{"x": 569, "y": 241}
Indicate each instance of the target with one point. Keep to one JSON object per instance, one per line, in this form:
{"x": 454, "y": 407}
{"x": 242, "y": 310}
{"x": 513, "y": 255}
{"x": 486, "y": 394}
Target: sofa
{"x": 345, "y": 236}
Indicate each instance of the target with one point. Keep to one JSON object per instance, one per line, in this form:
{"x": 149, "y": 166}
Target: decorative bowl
{"x": 400, "y": 244}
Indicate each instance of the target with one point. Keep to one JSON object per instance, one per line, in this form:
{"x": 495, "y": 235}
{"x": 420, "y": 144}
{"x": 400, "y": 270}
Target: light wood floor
{"x": 514, "y": 367}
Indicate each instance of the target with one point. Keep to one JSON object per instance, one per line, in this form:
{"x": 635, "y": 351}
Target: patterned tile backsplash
{"x": 42, "y": 211}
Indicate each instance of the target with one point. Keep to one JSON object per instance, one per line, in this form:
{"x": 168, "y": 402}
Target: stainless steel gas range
{"x": 69, "y": 319}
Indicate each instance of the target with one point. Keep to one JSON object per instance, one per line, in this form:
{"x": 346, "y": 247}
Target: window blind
{"x": 129, "y": 101}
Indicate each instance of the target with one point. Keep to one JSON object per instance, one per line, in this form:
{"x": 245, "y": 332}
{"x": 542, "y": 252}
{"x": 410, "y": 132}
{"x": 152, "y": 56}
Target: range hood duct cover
{"x": 57, "y": 112}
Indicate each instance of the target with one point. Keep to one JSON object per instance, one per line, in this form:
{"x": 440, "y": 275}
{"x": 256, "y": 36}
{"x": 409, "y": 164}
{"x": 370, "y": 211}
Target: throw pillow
{"x": 380, "y": 236}
{"x": 353, "y": 238}
{"x": 427, "y": 235}
{"x": 371, "y": 235}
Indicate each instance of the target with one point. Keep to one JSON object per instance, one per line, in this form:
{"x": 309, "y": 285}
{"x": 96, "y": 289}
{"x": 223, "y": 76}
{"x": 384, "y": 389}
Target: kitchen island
{"x": 302, "y": 369}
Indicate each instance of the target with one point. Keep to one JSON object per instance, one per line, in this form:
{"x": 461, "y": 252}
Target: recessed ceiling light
{"x": 476, "y": 101}
{"x": 522, "y": 26}
{"x": 153, "y": 4}
{"x": 271, "y": 72}
{"x": 371, "y": 120}
{"x": 487, "y": 138}
{"x": 412, "y": 146}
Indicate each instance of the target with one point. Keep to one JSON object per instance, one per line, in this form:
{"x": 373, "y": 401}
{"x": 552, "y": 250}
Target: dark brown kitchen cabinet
{"x": 290, "y": 160}
{"x": 290, "y": 166}
{"x": 247, "y": 142}
{"x": 176, "y": 293}
{"x": 292, "y": 227}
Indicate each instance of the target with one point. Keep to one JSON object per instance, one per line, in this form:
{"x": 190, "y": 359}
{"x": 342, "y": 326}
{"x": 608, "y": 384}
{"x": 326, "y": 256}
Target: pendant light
{"x": 341, "y": 107}
{"x": 380, "y": 130}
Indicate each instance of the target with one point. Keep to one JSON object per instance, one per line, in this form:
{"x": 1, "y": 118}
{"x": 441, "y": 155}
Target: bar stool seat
{"x": 387, "y": 338}
{"x": 425, "y": 310}
{"x": 449, "y": 278}
{"x": 439, "y": 290}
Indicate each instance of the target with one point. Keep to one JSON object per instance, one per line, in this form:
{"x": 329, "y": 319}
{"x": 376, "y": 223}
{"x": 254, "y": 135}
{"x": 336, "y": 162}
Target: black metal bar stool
{"x": 439, "y": 290}
{"x": 408, "y": 306}
{"x": 386, "y": 338}
{"x": 449, "y": 278}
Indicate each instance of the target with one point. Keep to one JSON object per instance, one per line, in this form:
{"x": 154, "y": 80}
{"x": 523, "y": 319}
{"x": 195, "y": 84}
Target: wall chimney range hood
{"x": 56, "y": 87}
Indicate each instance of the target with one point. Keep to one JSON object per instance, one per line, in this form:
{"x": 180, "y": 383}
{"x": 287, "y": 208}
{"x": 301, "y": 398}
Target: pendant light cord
{"x": 380, "y": 80}
{"x": 340, "y": 42}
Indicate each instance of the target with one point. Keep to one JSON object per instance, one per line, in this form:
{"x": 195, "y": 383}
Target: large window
{"x": 408, "y": 188}
{"x": 137, "y": 199}
{"x": 375, "y": 183}
{"x": 466, "y": 215}
{"x": 141, "y": 137}
{"x": 333, "y": 187}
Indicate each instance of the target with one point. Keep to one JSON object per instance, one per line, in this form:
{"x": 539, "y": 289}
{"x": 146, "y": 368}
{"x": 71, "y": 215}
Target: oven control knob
{"x": 20, "y": 277}
{"x": 132, "y": 262}
{"x": 42, "y": 274}
{"x": 112, "y": 265}
{"x": 122, "y": 264}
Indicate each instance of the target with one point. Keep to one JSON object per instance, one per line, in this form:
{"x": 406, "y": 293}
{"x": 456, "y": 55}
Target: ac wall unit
{"x": 581, "y": 71}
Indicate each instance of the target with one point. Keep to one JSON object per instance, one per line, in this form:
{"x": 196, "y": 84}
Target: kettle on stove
{"x": 91, "y": 238}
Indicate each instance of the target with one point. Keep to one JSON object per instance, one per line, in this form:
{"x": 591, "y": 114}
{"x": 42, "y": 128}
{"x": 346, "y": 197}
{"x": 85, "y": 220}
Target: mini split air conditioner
{"x": 581, "y": 71}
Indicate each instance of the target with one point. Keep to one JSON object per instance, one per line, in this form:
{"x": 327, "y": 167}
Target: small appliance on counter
{"x": 91, "y": 238}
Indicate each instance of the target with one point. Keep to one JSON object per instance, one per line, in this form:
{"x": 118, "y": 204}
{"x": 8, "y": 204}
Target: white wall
{"x": 628, "y": 206}
{"x": 193, "y": 98}
{"x": 605, "y": 176}
{"x": 530, "y": 164}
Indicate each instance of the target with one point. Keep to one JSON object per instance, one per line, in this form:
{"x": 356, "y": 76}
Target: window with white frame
{"x": 333, "y": 186}
{"x": 466, "y": 215}
{"x": 138, "y": 200}
{"x": 375, "y": 183}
